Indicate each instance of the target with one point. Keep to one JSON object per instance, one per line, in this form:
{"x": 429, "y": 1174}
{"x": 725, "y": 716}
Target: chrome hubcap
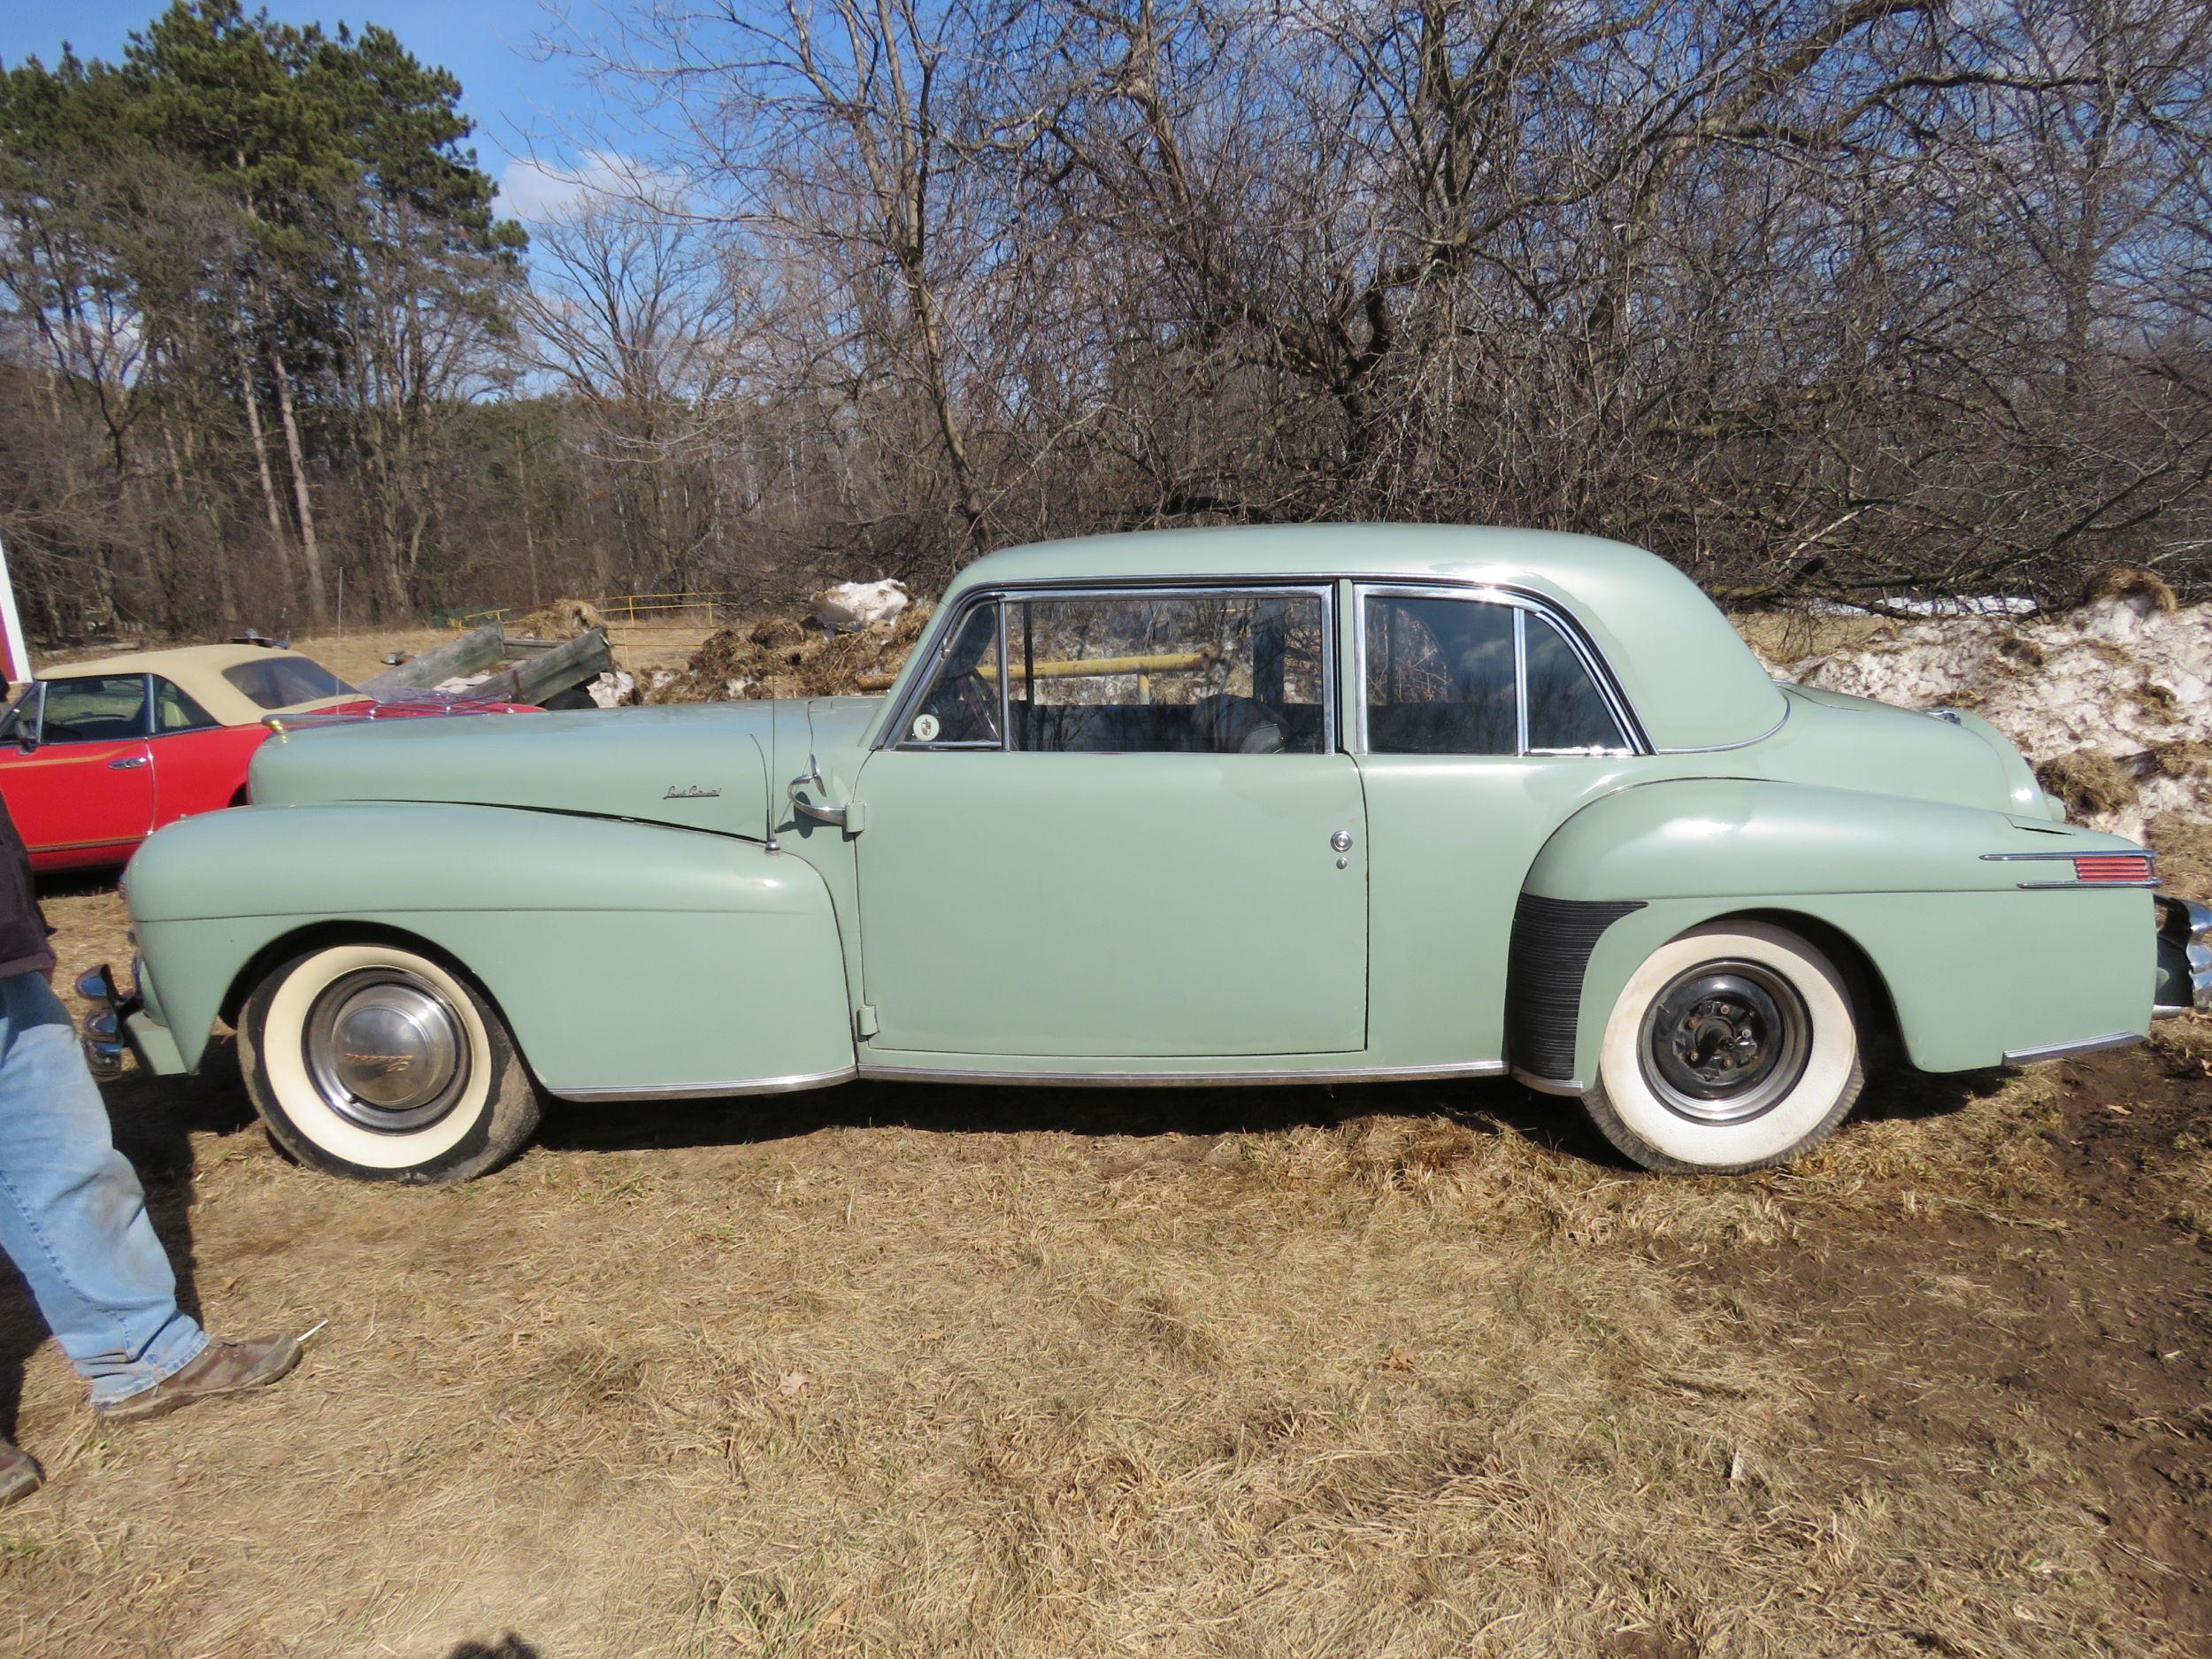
{"x": 1725, "y": 1042}
{"x": 387, "y": 1050}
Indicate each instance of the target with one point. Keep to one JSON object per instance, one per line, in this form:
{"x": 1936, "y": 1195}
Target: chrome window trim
{"x": 1520, "y": 683}
{"x": 1624, "y": 718}
{"x": 1013, "y": 594}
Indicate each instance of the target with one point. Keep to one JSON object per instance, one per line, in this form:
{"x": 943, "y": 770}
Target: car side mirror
{"x": 27, "y": 740}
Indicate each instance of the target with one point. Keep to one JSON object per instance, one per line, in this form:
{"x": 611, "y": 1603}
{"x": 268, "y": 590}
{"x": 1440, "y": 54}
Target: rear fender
{"x": 628, "y": 958}
{"x": 1975, "y": 967}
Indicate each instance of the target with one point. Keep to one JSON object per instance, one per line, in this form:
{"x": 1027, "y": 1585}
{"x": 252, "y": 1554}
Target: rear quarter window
{"x": 277, "y": 682}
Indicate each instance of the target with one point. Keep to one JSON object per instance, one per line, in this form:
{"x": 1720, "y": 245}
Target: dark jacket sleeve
{"x": 23, "y": 929}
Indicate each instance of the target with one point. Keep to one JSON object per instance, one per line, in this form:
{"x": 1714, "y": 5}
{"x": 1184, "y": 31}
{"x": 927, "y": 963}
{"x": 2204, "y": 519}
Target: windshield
{"x": 277, "y": 682}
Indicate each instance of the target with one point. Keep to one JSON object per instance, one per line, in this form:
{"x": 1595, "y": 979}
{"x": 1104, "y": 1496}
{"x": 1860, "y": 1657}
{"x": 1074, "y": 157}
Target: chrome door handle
{"x": 126, "y": 762}
{"x": 1342, "y": 840}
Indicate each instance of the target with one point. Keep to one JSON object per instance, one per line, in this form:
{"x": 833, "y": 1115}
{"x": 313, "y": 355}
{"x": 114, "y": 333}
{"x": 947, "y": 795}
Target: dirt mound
{"x": 788, "y": 657}
{"x": 2111, "y": 702}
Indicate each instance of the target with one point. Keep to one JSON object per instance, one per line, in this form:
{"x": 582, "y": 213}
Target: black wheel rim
{"x": 1726, "y": 1043}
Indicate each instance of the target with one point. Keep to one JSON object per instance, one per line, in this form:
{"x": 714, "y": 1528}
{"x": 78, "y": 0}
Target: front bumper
{"x": 2184, "y": 957}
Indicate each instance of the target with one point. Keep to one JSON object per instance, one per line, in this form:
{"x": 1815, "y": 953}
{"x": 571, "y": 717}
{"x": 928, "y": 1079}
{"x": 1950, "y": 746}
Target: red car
{"x": 96, "y": 756}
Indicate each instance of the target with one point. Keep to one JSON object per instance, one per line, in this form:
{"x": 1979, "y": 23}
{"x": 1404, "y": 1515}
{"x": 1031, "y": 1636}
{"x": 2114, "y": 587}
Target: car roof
{"x": 177, "y": 661}
{"x": 1692, "y": 680}
{"x": 198, "y": 668}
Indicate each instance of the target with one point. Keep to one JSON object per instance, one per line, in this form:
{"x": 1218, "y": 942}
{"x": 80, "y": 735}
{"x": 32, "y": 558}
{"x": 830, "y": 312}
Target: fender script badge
{"x": 690, "y": 792}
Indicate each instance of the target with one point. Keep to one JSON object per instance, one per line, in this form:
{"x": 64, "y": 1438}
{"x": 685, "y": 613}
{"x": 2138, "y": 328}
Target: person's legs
{"x": 73, "y": 1216}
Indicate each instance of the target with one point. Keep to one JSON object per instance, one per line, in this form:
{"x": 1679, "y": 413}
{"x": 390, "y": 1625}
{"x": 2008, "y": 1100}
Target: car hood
{"x": 703, "y": 765}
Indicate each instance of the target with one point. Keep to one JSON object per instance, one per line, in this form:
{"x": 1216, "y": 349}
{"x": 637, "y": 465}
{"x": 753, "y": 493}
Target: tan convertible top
{"x": 198, "y": 670}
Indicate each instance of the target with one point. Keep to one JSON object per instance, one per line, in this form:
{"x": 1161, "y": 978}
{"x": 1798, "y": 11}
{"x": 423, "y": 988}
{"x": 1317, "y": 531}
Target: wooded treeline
{"x": 1818, "y": 297}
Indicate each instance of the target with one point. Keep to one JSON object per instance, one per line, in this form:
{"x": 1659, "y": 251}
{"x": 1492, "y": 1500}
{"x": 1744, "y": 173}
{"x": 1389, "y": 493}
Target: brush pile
{"x": 787, "y": 656}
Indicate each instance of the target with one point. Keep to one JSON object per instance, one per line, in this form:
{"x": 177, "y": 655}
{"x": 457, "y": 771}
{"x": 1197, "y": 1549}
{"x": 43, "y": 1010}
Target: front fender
{"x": 628, "y": 958}
{"x": 1977, "y": 967}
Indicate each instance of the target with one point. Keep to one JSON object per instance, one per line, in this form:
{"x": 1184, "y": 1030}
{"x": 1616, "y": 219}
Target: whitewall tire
{"x": 1733, "y": 1047}
{"x": 377, "y": 1063}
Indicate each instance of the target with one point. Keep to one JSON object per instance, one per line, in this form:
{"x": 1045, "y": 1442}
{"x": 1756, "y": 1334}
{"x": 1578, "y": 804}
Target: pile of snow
{"x": 2112, "y": 703}
{"x": 848, "y": 605}
{"x": 1966, "y": 605}
{"x": 611, "y": 690}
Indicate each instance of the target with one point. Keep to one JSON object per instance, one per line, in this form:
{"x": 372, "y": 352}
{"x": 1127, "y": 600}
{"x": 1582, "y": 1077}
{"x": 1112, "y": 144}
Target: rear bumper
{"x": 2184, "y": 957}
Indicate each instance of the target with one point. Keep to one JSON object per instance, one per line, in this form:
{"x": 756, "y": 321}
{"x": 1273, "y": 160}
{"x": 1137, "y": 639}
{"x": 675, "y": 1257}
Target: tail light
{"x": 2112, "y": 869}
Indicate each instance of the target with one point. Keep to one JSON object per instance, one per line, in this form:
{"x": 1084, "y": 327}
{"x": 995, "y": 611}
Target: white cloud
{"x": 545, "y": 193}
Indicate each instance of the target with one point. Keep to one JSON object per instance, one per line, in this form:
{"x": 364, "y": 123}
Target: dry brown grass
{"x": 1789, "y": 636}
{"x": 1399, "y": 1372}
{"x": 2089, "y": 780}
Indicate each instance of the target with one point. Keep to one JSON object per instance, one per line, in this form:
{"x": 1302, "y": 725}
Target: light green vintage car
{"x": 1201, "y": 807}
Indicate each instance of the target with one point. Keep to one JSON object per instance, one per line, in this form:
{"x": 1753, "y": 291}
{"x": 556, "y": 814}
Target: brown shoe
{"x": 20, "y": 1473}
{"x": 224, "y": 1368}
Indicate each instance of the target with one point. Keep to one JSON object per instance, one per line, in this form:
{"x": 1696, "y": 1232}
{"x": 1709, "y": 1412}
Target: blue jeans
{"x": 73, "y": 1216}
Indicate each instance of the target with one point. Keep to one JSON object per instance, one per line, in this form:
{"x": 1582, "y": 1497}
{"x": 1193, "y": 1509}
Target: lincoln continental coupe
{"x": 1200, "y": 806}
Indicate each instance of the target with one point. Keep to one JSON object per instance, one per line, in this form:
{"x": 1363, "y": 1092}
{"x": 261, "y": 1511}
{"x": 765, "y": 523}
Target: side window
{"x": 96, "y": 710}
{"x": 1566, "y": 709}
{"x": 961, "y": 708}
{"x": 1448, "y": 676}
{"x": 22, "y": 719}
{"x": 1209, "y": 673}
{"x": 1441, "y": 677}
{"x": 174, "y": 711}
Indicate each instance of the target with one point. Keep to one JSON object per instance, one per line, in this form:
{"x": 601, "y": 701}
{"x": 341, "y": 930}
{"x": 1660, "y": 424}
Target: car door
{"x": 1118, "y": 822}
{"x": 82, "y": 793}
{"x": 199, "y": 765}
{"x": 1484, "y": 721}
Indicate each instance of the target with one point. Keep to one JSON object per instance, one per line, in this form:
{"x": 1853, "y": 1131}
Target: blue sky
{"x": 505, "y": 89}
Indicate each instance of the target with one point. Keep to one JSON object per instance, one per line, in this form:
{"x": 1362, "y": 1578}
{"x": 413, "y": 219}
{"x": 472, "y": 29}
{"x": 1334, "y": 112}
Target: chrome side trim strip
{"x": 1744, "y": 742}
{"x": 2052, "y": 858}
{"x": 1550, "y": 1085}
{"x": 2068, "y": 1051}
{"x": 2150, "y": 858}
{"x": 874, "y": 1073}
{"x": 790, "y": 1085}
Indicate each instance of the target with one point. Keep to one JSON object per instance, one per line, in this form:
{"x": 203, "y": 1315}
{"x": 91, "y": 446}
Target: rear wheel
{"x": 376, "y": 1062}
{"x": 1732, "y": 1049}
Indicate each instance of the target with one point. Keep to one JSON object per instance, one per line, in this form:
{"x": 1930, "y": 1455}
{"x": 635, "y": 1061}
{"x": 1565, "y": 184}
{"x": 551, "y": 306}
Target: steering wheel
{"x": 978, "y": 708}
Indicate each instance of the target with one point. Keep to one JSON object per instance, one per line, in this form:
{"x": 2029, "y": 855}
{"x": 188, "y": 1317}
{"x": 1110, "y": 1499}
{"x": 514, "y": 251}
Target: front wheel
{"x": 1732, "y": 1049}
{"x": 375, "y": 1063}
